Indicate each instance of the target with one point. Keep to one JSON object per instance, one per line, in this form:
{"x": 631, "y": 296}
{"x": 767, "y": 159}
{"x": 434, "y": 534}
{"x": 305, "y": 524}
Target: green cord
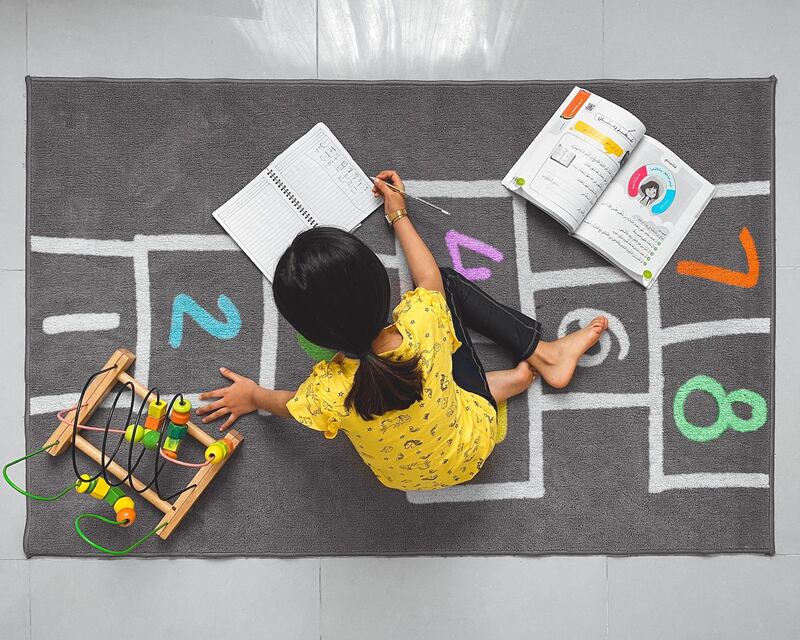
{"x": 80, "y": 517}
{"x": 31, "y": 495}
{"x": 119, "y": 524}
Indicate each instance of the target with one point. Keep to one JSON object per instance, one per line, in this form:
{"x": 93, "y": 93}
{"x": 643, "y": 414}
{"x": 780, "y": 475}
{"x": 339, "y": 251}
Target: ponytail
{"x": 381, "y": 385}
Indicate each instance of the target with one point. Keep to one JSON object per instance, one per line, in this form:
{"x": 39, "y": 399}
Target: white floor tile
{"x": 459, "y": 39}
{"x": 720, "y": 38}
{"x": 12, "y": 432}
{"x": 149, "y": 38}
{"x": 465, "y": 598}
{"x": 12, "y": 133}
{"x": 15, "y": 590}
{"x": 726, "y": 597}
{"x": 787, "y": 408}
{"x": 236, "y": 599}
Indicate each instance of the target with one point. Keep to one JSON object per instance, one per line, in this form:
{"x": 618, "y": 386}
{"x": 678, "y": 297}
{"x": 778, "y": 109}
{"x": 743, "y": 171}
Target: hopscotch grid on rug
{"x": 529, "y": 283}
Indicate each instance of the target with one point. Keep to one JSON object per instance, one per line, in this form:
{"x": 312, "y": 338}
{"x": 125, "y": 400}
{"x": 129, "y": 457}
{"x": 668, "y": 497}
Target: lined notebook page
{"x": 262, "y": 222}
{"x": 326, "y": 179}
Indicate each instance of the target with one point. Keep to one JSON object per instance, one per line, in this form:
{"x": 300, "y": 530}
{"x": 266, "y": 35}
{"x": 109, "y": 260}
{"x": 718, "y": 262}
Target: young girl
{"x": 411, "y": 395}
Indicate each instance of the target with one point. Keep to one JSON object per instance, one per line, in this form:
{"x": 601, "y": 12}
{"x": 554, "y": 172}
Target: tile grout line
{"x": 319, "y": 585}
{"x": 608, "y": 600}
{"x": 27, "y": 64}
{"x": 30, "y": 604}
{"x": 316, "y": 39}
{"x": 603, "y": 38}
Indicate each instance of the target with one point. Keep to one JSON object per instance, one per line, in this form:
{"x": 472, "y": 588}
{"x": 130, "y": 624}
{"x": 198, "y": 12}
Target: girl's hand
{"x": 236, "y": 399}
{"x": 392, "y": 201}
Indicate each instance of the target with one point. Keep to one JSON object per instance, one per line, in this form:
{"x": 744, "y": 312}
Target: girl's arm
{"x": 424, "y": 270}
{"x": 241, "y": 397}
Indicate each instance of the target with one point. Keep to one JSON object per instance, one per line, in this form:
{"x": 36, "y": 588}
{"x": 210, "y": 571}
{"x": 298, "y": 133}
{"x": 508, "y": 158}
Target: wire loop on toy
{"x": 61, "y": 415}
{"x": 60, "y": 494}
{"x": 181, "y": 463}
{"x": 166, "y": 426}
{"x": 112, "y": 552}
{"x": 132, "y": 465}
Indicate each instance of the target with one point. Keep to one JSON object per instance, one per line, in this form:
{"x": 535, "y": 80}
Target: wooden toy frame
{"x": 97, "y": 390}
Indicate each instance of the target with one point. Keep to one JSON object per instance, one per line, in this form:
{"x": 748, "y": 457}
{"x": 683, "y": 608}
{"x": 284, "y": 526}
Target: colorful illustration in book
{"x": 654, "y": 187}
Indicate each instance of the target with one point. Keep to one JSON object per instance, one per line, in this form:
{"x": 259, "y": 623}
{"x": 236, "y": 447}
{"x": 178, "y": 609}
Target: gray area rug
{"x": 115, "y": 167}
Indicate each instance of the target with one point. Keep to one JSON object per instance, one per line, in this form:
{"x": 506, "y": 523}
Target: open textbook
{"x": 622, "y": 193}
{"x": 314, "y": 182}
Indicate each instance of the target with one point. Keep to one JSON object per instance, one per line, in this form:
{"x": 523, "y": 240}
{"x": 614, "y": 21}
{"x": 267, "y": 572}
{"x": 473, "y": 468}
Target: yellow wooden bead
{"x": 157, "y": 409}
{"x": 134, "y": 432}
{"x": 182, "y": 406}
{"x": 124, "y": 502}
{"x": 83, "y": 485}
{"x": 217, "y": 452}
{"x": 100, "y": 490}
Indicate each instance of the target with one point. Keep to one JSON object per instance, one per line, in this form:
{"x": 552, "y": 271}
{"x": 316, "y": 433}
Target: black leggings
{"x": 474, "y": 309}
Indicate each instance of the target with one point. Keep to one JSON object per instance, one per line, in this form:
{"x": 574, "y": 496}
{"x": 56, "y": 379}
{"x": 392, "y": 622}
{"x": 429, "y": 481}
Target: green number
{"x": 726, "y": 416}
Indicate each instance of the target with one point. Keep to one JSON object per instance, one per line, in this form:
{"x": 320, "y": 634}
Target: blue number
{"x": 185, "y": 305}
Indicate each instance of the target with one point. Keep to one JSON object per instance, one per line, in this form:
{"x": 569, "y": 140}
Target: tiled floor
{"x": 573, "y": 597}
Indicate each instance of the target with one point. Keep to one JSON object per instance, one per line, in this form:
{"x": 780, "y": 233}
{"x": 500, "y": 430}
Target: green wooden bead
{"x": 114, "y": 494}
{"x": 82, "y": 486}
{"x": 316, "y": 352}
{"x": 171, "y": 444}
{"x": 150, "y": 439}
{"x": 177, "y": 431}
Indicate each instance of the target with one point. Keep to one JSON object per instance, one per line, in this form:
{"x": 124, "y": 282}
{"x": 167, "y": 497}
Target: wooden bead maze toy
{"x": 165, "y": 427}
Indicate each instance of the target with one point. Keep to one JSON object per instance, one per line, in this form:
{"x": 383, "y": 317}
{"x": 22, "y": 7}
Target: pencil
{"x": 408, "y": 195}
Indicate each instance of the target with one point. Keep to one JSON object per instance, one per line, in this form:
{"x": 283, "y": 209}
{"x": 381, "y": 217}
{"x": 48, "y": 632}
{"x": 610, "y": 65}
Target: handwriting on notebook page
{"x": 329, "y": 184}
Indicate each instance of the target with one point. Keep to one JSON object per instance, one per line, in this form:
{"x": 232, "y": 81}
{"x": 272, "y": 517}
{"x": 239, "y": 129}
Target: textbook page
{"x": 646, "y": 212}
{"x": 575, "y": 157}
{"x": 326, "y": 180}
{"x": 262, "y": 222}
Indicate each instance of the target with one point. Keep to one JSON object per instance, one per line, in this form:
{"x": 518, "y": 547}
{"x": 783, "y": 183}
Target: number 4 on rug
{"x": 723, "y": 275}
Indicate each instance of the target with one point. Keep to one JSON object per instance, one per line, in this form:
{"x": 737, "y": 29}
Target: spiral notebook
{"x": 314, "y": 182}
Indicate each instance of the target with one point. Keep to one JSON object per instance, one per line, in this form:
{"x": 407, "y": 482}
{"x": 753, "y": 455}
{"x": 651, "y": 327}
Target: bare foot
{"x": 510, "y": 382}
{"x": 556, "y": 361}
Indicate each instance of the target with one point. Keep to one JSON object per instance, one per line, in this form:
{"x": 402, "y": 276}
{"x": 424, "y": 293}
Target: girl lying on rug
{"x": 412, "y": 396}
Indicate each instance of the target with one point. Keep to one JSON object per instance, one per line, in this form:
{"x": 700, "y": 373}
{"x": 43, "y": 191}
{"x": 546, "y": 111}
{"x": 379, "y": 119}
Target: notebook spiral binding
{"x": 291, "y": 198}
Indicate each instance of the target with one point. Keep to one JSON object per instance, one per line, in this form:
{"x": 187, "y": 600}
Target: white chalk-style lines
{"x": 615, "y": 328}
{"x": 80, "y": 322}
{"x": 529, "y": 284}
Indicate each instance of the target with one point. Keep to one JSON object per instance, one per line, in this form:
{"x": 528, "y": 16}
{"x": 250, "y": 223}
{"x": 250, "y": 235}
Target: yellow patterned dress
{"x": 440, "y": 441}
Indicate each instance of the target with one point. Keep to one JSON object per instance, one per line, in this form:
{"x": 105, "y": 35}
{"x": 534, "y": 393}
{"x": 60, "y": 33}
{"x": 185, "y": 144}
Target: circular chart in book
{"x": 654, "y": 185}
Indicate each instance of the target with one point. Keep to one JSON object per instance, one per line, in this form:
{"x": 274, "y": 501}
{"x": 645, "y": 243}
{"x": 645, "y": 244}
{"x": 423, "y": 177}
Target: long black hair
{"x": 334, "y": 290}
